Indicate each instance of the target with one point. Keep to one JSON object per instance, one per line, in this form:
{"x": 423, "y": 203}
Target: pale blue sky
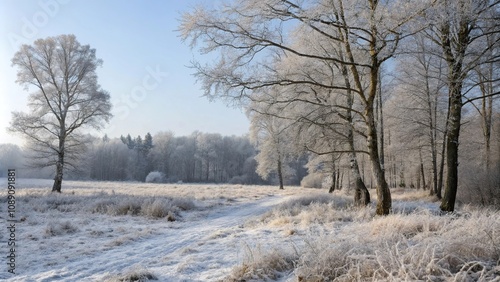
{"x": 144, "y": 66}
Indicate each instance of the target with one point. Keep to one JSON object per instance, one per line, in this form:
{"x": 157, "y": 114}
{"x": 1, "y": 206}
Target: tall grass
{"x": 412, "y": 244}
{"x": 109, "y": 204}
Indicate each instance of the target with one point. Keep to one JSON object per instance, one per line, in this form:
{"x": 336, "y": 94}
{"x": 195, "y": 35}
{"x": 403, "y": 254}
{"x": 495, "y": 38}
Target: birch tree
{"x": 65, "y": 98}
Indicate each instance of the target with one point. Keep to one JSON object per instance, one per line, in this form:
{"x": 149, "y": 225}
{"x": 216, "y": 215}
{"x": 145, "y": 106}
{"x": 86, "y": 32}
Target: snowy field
{"x": 116, "y": 231}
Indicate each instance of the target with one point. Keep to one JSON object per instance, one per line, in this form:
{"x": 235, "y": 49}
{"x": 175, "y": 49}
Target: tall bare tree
{"x": 461, "y": 28}
{"x": 252, "y": 35}
{"x": 419, "y": 103}
{"x": 65, "y": 98}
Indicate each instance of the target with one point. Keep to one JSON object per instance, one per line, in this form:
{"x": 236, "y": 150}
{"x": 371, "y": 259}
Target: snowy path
{"x": 204, "y": 246}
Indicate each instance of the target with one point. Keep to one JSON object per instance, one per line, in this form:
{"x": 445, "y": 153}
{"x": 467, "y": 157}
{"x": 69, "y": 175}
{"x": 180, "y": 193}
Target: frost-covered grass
{"x": 126, "y": 231}
{"x": 333, "y": 241}
{"x": 109, "y": 204}
{"x": 115, "y": 231}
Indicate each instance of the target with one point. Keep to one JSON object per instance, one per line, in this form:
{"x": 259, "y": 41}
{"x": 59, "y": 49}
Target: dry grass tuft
{"x": 305, "y": 210}
{"x": 110, "y": 204}
{"x": 262, "y": 265}
{"x": 59, "y": 228}
{"x": 135, "y": 274}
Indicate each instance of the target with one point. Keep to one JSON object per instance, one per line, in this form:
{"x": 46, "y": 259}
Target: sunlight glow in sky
{"x": 145, "y": 63}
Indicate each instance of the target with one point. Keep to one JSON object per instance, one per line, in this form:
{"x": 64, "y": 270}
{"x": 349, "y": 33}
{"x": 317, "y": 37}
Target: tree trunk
{"x": 418, "y": 178}
{"x": 339, "y": 180}
{"x": 432, "y": 116}
{"x": 422, "y": 172}
{"x": 454, "y": 43}
{"x": 381, "y": 123}
{"x": 334, "y": 180}
{"x": 280, "y": 175}
{"x": 455, "y": 114}
{"x": 384, "y": 203}
{"x": 441, "y": 165}
{"x": 59, "y": 173}
{"x": 361, "y": 194}
{"x": 487, "y": 114}
{"x": 60, "y": 157}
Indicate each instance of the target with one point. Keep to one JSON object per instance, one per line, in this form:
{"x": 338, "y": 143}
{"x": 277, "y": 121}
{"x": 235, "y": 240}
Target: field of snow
{"x": 117, "y": 231}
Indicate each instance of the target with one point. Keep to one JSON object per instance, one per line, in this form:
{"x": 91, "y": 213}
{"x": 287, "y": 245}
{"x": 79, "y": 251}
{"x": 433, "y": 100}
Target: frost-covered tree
{"x": 65, "y": 98}
{"x": 183, "y": 159}
{"x": 161, "y": 154}
{"x": 487, "y": 78}
{"x": 209, "y": 152}
{"x": 108, "y": 159}
{"x": 275, "y": 151}
{"x": 461, "y": 29}
{"x": 251, "y": 36}
{"x": 417, "y": 107}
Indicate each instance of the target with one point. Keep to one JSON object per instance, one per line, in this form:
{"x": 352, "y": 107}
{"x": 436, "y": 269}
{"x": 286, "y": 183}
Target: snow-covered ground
{"x": 203, "y": 244}
{"x": 116, "y": 231}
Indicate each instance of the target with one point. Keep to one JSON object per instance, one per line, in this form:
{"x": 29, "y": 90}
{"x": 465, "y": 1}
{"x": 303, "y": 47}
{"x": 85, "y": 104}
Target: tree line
{"x": 196, "y": 158}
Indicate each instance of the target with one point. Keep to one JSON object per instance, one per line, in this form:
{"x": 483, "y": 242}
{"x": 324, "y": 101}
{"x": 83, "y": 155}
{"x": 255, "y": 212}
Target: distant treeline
{"x": 199, "y": 157}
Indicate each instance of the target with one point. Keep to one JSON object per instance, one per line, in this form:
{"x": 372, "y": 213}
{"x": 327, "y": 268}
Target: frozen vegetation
{"x": 125, "y": 231}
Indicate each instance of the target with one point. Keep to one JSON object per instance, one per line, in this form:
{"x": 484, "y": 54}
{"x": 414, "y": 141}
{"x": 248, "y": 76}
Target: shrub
{"x": 314, "y": 180}
{"x": 155, "y": 177}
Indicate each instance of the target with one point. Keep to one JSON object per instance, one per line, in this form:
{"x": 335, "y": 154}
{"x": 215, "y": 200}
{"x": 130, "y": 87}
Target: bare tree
{"x": 65, "y": 98}
{"x": 487, "y": 77}
{"x": 460, "y": 28}
{"x": 419, "y": 103}
{"x": 252, "y": 35}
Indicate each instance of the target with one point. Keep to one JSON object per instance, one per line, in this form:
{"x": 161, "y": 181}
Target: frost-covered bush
{"x": 313, "y": 180}
{"x": 155, "y": 177}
